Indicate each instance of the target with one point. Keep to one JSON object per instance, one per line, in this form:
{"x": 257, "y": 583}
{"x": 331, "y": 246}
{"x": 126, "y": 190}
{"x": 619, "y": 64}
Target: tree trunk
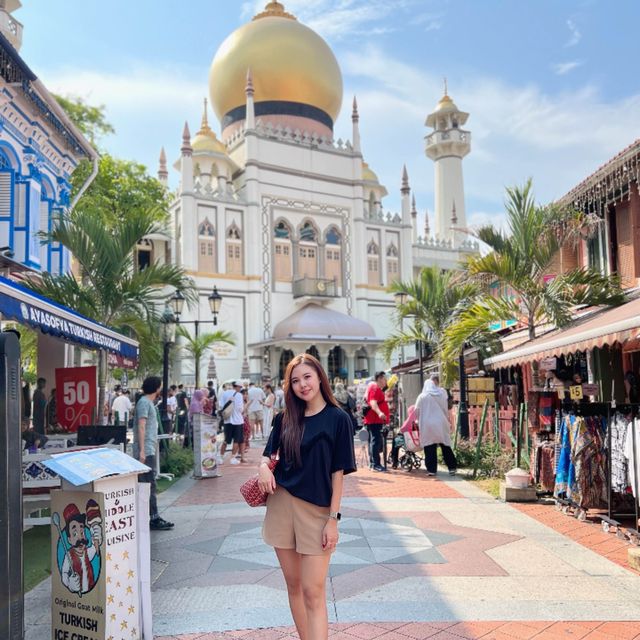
{"x": 102, "y": 384}
{"x": 196, "y": 364}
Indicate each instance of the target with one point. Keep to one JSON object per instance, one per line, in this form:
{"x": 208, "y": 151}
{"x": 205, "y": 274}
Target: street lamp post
{"x": 462, "y": 406}
{"x": 177, "y": 301}
{"x": 168, "y": 337}
{"x": 400, "y": 299}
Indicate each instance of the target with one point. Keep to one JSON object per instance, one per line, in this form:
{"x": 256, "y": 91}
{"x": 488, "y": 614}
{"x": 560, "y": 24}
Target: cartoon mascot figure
{"x": 78, "y": 573}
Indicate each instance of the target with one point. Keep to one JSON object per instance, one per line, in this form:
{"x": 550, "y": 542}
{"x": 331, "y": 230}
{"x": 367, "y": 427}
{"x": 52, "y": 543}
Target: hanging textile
{"x": 563, "y": 458}
{"x": 634, "y": 469}
{"x": 588, "y": 486}
{"x": 619, "y": 460}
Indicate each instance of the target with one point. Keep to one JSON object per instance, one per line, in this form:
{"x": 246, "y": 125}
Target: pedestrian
{"x": 347, "y": 404}
{"x": 52, "y": 414}
{"x": 256, "y": 410}
{"x": 376, "y": 418}
{"x": 432, "y": 414}
{"x": 121, "y": 408}
{"x": 172, "y": 406}
{"x": 183, "y": 411}
{"x": 269, "y": 401}
{"x": 313, "y": 439}
{"x": 145, "y": 441}
{"x": 213, "y": 398}
{"x": 233, "y": 427}
{"x": 279, "y": 403}
{"x": 246, "y": 425}
{"x": 39, "y": 406}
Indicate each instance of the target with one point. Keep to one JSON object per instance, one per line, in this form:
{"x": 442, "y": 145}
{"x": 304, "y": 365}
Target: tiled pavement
{"x": 418, "y": 558}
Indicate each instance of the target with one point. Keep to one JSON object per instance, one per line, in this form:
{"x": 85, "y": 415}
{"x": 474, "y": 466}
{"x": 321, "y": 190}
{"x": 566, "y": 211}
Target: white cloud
{"x": 562, "y": 68}
{"x": 576, "y": 36}
{"x": 430, "y": 21}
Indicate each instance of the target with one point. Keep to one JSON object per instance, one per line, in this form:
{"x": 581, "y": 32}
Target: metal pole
{"x": 196, "y": 364}
{"x": 164, "y": 416}
{"x": 464, "y": 412}
{"x": 420, "y": 363}
{"x": 402, "y": 346}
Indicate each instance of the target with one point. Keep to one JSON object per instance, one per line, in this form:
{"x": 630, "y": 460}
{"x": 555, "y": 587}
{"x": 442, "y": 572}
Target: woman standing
{"x": 347, "y": 404}
{"x": 431, "y": 412}
{"x": 268, "y": 403}
{"x": 314, "y": 441}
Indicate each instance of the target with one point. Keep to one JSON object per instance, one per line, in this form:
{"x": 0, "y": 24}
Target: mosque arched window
{"x": 373, "y": 263}
{"x": 144, "y": 254}
{"x": 233, "y": 244}
{"x": 282, "y": 251}
{"x": 307, "y": 252}
{"x": 393, "y": 264}
{"x": 206, "y": 247}
{"x": 333, "y": 255}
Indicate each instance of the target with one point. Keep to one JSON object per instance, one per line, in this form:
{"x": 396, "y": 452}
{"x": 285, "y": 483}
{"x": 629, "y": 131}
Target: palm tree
{"x": 520, "y": 258}
{"x": 110, "y": 287}
{"x": 435, "y": 300}
{"x": 197, "y": 346}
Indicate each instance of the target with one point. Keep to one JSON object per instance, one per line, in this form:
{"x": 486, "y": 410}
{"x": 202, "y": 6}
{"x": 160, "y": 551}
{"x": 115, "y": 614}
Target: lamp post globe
{"x": 177, "y": 301}
{"x": 215, "y": 302}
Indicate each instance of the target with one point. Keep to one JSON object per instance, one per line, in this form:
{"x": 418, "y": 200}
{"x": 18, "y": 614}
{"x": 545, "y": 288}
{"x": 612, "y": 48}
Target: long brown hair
{"x": 293, "y": 419}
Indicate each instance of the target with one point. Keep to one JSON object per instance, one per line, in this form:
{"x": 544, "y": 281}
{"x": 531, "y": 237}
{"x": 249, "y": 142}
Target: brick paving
{"x": 458, "y": 556}
{"x": 525, "y": 630}
{"x": 588, "y": 533}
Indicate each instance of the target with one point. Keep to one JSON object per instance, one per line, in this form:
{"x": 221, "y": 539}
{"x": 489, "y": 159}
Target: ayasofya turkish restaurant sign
{"x": 40, "y": 313}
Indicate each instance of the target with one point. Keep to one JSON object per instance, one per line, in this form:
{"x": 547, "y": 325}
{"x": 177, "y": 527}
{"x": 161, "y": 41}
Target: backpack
{"x": 227, "y": 410}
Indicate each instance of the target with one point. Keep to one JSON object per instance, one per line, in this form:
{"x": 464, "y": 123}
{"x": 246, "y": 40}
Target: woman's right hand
{"x": 266, "y": 479}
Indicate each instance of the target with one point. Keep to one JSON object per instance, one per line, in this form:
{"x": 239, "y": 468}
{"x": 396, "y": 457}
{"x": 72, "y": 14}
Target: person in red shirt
{"x": 376, "y": 418}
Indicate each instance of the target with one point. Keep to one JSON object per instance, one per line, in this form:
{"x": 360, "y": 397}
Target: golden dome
{"x": 368, "y": 174}
{"x": 289, "y": 63}
{"x": 205, "y": 139}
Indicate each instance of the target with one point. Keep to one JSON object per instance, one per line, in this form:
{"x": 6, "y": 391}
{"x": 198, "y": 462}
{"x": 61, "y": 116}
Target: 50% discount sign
{"x": 76, "y": 396}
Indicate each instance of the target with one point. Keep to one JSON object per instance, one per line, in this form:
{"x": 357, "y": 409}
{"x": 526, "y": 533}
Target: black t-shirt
{"x": 326, "y": 447}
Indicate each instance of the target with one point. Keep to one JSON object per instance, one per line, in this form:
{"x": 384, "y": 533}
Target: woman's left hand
{"x": 330, "y": 535}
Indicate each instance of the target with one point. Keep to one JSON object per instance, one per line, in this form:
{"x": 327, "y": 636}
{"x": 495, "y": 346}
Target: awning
{"x": 603, "y": 327}
{"x": 27, "y": 307}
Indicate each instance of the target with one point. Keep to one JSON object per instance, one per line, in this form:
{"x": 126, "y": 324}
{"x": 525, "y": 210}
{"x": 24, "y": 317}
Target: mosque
{"x": 287, "y": 222}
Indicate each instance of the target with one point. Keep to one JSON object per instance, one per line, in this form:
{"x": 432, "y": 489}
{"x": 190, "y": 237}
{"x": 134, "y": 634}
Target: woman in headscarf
{"x": 432, "y": 413}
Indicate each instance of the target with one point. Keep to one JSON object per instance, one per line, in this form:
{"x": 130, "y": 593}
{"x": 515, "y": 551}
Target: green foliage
{"x": 198, "y": 347}
{"x": 89, "y": 119}
{"x": 494, "y": 460}
{"x": 28, "y": 351}
{"x": 121, "y": 186}
{"x": 520, "y": 258}
{"x": 177, "y": 460}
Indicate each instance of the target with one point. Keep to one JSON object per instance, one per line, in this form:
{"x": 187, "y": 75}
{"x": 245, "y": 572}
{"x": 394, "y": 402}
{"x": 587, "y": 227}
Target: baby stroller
{"x": 408, "y": 444}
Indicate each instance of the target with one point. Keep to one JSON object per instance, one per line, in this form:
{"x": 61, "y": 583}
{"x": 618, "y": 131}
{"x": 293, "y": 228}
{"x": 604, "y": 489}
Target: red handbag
{"x": 252, "y": 493}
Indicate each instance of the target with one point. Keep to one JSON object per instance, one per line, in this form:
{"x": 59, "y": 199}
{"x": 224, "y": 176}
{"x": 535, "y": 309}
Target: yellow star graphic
{"x": 132, "y": 609}
{"x": 131, "y": 573}
{"x": 129, "y": 590}
{"x": 125, "y": 555}
{"x": 110, "y": 638}
{"x": 108, "y": 579}
{"x": 108, "y": 557}
{"x": 134, "y": 631}
{"x": 124, "y": 624}
{"x": 116, "y": 567}
{"x": 110, "y": 599}
{"x": 113, "y": 616}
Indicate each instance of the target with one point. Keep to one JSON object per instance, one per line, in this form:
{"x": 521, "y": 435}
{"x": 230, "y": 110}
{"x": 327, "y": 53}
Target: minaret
{"x": 446, "y": 146}
{"x": 355, "y": 119}
{"x": 186, "y": 159}
{"x": 427, "y": 231}
{"x": 414, "y": 221}
{"x": 250, "y": 116}
{"x": 405, "y": 192}
{"x": 163, "y": 174}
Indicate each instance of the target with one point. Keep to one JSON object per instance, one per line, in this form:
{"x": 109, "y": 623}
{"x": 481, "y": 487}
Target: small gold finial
{"x": 445, "y": 86}
{"x": 274, "y": 9}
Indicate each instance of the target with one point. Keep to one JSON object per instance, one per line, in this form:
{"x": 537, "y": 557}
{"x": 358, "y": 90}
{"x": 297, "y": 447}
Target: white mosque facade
{"x": 287, "y": 222}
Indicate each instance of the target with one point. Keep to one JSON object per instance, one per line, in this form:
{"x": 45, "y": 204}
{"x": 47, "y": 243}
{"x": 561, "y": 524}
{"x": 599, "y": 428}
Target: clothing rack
{"x": 610, "y": 523}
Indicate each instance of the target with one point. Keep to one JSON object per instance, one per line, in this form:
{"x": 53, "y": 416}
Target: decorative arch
{"x": 282, "y": 251}
{"x": 233, "y": 247}
{"x": 11, "y": 156}
{"x": 373, "y": 263}
{"x": 308, "y": 232}
{"x": 333, "y": 255}
{"x": 206, "y": 228}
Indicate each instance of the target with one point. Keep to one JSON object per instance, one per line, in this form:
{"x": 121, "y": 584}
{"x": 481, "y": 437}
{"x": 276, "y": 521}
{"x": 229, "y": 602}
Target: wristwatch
{"x": 335, "y": 515}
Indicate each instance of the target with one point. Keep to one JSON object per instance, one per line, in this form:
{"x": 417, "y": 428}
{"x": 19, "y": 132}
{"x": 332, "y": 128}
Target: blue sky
{"x": 551, "y": 85}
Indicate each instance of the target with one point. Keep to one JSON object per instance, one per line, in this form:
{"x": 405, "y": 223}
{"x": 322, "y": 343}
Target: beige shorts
{"x": 256, "y": 416}
{"x": 292, "y": 523}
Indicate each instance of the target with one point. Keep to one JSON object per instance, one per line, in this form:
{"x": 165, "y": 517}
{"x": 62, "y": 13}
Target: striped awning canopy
{"x": 600, "y": 328}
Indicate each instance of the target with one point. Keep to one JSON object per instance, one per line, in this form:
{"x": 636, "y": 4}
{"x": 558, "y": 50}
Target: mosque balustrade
{"x": 315, "y": 287}
{"x": 448, "y": 135}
